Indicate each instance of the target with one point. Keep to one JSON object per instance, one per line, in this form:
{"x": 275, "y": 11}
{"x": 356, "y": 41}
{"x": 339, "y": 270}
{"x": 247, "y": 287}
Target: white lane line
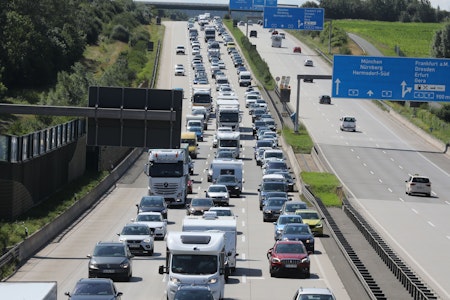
{"x": 389, "y": 189}
{"x": 414, "y": 210}
{"x": 431, "y": 224}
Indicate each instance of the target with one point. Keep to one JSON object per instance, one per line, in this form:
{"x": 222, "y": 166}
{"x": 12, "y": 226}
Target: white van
{"x": 245, "y": 78}
{"x": 226, "y": 167}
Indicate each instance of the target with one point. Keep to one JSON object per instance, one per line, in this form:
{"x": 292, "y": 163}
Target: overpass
{"x": 207, "y": 5}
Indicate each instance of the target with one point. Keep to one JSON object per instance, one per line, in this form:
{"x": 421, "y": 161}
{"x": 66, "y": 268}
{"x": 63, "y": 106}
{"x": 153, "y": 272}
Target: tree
{"x": 441, "y": 43}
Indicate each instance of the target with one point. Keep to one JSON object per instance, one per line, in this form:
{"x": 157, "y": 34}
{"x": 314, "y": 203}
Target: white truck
{"x": 201, "y": 96}
{"x": 245, "y": 78}
{"x": 228, "y": 114}
{"x": 277, "y": 40}
{"x": 168, "y": 174}
{"x": 210, "y": 221}
{"x": 28, "y": 290}
{"x": 195, "y": 258}
{"x": 210, "y": 33}
{"x": 226, "y": 167}
{"x": 230, "y": 141}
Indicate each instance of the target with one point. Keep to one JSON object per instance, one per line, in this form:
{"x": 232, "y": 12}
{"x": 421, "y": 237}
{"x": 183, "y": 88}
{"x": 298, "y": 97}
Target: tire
{"x": 151, "y": 252}
{"x": 308, "y": 275}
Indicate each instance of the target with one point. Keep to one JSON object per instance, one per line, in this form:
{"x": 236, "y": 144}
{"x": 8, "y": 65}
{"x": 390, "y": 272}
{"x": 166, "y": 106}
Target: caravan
{"x": 195, "y": 258}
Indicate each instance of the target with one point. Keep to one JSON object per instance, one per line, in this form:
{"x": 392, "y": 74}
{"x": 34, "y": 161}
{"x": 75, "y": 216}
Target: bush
{"x": 120, "y": 33}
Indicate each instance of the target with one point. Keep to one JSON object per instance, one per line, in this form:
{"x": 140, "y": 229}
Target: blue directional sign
{"x": 252, "y": 5}
{"x": 391, "y": 78}
{"x": 241, "y": 4}
{"x": 293, "y": 18}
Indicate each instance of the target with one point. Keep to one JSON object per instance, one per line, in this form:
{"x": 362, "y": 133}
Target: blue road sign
{"x": 293, "y": 18}
{"x": 251, "y": 5}
{"x": 391, "y": 78}
{"x": 241, "y": 4}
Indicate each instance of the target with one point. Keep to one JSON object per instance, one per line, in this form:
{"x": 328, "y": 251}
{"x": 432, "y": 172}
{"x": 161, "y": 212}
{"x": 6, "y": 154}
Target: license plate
{"x": 109, "y": 271}
{"x": 291, "y": 266}
{"x": 134, "y": 245}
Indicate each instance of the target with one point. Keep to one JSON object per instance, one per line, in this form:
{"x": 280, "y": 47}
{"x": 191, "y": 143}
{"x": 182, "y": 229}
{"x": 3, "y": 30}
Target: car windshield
{"x": 217, "y": 189}
{"x": 135, "y": 230}
{"x": 93, "y": 288}
{"x": 291, "y": 219}
{"x": 109, "y": 250}
{"x": 151, "y": 202}
{"x": 308, "y": 215}
{"x": 201, "y": 202}
{"x": 149, "y": 218}
{"x": 194, "y": 264}
{"x": 296, "y": 230}
{"x": 292, "y": 207}
{"x": 276, "y": 165}
{"x": 275, "y": 202}
{"x": 290, "y": 248}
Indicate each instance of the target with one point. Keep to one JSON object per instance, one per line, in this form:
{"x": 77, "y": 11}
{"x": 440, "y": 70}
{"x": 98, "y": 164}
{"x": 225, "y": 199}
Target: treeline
{"x": 381, "y": 10}
{"x": 41, "y": 38}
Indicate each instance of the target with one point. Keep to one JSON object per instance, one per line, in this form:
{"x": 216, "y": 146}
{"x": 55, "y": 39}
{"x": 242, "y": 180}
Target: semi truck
{"x": 28, "y": 290}
{"x": 195, "y": 258}
{"x": 210, "y": 222}
{"x": 168, "y": 174}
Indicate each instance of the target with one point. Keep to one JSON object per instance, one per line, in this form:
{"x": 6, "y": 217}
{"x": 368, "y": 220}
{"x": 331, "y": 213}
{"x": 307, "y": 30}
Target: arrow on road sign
{"x": 405, "y": 89}
{"x": 337, "y": 81}
{"x": 370, "y": 93}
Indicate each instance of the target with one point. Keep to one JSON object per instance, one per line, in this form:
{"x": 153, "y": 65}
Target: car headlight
{"x": 164, "y": 211}
{"x": 121, "y": 239}
{"x": 268, "y": 211}
{"x": 125, "y": 265}
{"x": 175, "y": 280}
{"x": 158, "y": 228}
{"x": 93, "y": 265}
{"x": 212, "y": 280}
{"x": 318, "y": 225}
{"x": 279, "y": 230}
{"x": 275, "y": 260}
{"x": 305, "y": 260}
{"x": 147, "y": 240}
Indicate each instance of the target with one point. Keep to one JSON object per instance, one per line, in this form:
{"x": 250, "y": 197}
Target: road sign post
{"x": 391, "y": 78}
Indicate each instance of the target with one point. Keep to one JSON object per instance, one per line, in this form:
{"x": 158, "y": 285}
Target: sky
{"x": 443, "y": 4}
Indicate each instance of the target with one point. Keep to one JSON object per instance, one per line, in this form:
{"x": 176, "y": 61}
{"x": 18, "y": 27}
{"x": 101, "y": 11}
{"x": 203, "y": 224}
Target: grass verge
{"x": 325, "y": 186}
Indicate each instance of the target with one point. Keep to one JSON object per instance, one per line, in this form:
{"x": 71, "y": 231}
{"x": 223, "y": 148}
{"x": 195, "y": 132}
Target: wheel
{"x": 151, "y": 252}
{"x": 308, "y": 275}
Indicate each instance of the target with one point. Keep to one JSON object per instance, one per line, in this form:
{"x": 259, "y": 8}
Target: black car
{"x": 153, "y": 203}
{"x": 299, "y": 232}
{"x": 272, "y": 209}
{"x": 111, "y": 260}
{"x": 231, "y": 182}
{"x": 325, "y": 99}
{"x": 193, "y": 292}
{"x": 276, "y": 164}
{"x": 253, "y": 33}
{"x": 270, "y": 186}
{"x": 287, "y": 176}
{"x": 94, "y": 288}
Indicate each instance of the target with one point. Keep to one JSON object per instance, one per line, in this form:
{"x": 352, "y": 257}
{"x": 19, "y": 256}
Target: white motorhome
{"x": 226, "y": 167}
{"x": 210, "y": 221}
{"x": 201, "y": 96}
{"x": 230, "y": 141}
{"x": 277, "y": 40}
{"x": 245, "y": 78}
{"x": 228, "y": 113}
{"x": 195, "y": 258}
{"x": 168, "y": 174}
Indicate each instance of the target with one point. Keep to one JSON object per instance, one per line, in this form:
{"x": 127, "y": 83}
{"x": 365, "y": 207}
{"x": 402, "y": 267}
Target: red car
{"x": 288, "y": 257}
{"x": 297, "y": 49}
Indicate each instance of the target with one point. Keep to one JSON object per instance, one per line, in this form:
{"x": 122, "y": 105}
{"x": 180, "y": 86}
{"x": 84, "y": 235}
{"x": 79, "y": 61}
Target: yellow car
{"x": 312, "y": 218}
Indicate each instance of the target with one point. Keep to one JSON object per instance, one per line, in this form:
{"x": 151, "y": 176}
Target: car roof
{"x": 318, "y": 291}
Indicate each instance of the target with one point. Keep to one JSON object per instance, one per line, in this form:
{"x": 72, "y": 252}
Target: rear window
{"x": 421, "y": 180}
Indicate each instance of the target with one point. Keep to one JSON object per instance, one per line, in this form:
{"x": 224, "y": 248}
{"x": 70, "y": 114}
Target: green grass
{"x": 324, "y": 186}
{"x": 414, "y": 39}
{"x": 300, "y": 142}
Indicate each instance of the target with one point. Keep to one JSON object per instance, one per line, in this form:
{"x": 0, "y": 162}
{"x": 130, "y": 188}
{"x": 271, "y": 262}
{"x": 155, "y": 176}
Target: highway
{"x": 65, "y": 261}
{"x": 373, "y": 164}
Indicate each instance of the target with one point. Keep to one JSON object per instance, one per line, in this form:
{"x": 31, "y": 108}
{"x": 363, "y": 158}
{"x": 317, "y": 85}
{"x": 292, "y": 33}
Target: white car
{"x": 179, "y": 70}
{"x": 309, "y": 63}
{"x": 138, "y": 238}
{"x": 348, "y": 123}
{"x": 417, "y": 184}
{"x": 154, "y": 221}
{"x": 219, "y": 194}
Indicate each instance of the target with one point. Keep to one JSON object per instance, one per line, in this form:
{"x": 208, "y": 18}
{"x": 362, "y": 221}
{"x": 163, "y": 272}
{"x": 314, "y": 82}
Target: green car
{"x": 313, "y": 219}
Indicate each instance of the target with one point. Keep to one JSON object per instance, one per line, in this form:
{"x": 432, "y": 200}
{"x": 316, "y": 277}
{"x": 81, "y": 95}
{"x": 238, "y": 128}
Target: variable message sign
{"x": 391, "y": 78}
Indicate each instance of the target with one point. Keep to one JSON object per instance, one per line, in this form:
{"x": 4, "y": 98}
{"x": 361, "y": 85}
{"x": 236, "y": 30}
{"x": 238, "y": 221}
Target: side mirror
{"x": 161, "y": 270}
